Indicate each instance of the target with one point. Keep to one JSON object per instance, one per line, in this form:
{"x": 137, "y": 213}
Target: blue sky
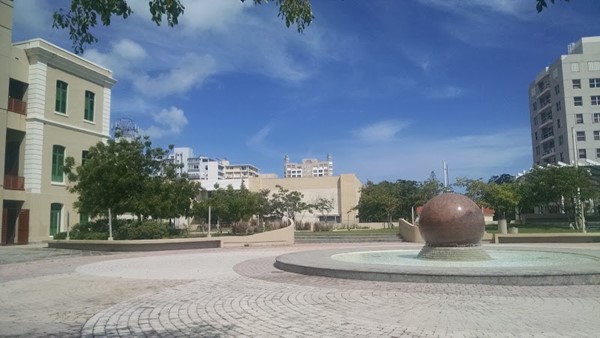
{"x": 390, "y": 88}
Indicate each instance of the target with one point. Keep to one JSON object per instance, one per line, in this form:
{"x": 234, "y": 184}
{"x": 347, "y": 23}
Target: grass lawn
{"x": 536, "y": 228}
{"x": 345, "y": 232}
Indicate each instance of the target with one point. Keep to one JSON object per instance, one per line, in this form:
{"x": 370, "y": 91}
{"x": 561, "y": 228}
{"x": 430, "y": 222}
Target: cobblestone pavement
{"x": 238, "y": 293}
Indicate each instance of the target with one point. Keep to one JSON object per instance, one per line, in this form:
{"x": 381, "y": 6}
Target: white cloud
{"x": 381, "y": 131}
{"x": 191, "y": 71}
{"x": 258, "y": 142}
{"x": 166, "y": 122}
{"x": 516, "y": 8}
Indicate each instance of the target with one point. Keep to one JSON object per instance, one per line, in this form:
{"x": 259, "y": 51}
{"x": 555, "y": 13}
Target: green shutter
{"x": 61, "y": 97}
{"x": 58, "y": 161}
{"x": 89, "y": 106}
{"x": 55, "y": 210}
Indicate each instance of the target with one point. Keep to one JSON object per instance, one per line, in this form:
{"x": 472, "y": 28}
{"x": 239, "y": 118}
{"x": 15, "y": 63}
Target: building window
{"x": 597, "y": 152}
{"x": 596, "y": 100}
{"x": 561, "y": 157}
{"x": 558, "y": 106}
{"x": 575, "y": 67}
{"x": 537, "y": 150}
{"x": 596, "y": 135}
{"x": 84, "y": 218}
{"x": 577, "y": 101}
{"x": 88, "y": 113}
{"x": 61, "y": 97}
{"x": 595, "y": 83}
{"x": 535, "y": 106}
{"x": 558, "y": 123}
{"x": 535, "y": 135}
{"x": 576, "y": 84}
{"x": 557, "y": 89}
{"x": 596, "y": 117}
{"x": 58, "y": 161}
{"x": 582, "y": 154}
{"x": 581, "y": 136}
{"x": 55, "y": 211}
{"x": 593, "y": 66}
{"x": 535, "y": 121}
{"x": 560, "y": 140}
{"x": 579, "y": 118}
{"x": 85, "y": 155}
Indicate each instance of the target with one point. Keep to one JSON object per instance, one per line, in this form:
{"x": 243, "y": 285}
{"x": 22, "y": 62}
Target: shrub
{"x": 143, "y": 230}
{"x": 242, "y": 228}
{"x": 321, "y": 226}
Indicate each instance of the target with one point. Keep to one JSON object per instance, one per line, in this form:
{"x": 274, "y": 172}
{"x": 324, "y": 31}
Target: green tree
{"x": 556, "y": 187}
{"x": 323, "y": 206}
{"x": 386, "y": 201}
{"x": 541, "y": 4}
{"x": 83, "y": 15}
{"x": 129, "y": 176}
{"x": 503, "y": 198}
{"x": 286, "y": 203}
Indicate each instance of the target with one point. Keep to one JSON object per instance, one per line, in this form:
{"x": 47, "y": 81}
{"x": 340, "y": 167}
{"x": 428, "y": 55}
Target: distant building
{"x": 343, "y": 190}
{"x": 564, "y": 105}
{"x": 233, "y": 171}
{"x": 53, "y": 104}
{"x": 210, "y": 169}
{"x": 310, "y": 167}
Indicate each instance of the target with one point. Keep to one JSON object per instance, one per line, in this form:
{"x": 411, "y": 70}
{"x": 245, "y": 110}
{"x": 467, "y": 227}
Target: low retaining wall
{"x": 409, "y": 232}
{"x": 283, "y": 236}
{"x": 546, "y": 238}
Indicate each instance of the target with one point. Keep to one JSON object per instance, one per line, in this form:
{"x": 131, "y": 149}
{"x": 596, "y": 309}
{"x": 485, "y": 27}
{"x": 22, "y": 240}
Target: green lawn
{"x": 352, "y": 232}
{"x": 491, "y": 228}
{"x": 536, "y": 228}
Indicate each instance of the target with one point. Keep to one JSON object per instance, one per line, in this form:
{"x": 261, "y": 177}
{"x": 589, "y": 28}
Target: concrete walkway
{"x": 238, "y": 293}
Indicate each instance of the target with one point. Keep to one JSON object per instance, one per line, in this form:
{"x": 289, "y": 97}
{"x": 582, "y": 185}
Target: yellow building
{"x": 53, "y": 104}
{"x": 344, "y": 190}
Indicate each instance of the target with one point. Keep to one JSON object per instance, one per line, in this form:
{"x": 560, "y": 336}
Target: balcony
{"x": 14, "y": 182}
{"x": 17, "y": 106}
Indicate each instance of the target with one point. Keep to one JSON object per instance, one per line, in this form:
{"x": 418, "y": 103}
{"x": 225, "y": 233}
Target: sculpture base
{"x": 458, "y": 253}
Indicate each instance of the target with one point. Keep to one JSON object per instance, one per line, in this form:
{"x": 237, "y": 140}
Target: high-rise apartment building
{"x": 309, "y": 167}
{"x": 53, "y": 104}
{"x": 564, "y": 104}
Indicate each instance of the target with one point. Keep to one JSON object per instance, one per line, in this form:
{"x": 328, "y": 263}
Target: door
{"x": 23, "y": 232}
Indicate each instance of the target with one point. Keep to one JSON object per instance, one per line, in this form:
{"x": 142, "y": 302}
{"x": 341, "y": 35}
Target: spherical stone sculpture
{"x": 451, "y": 220}
{"x": 452, "y": 226}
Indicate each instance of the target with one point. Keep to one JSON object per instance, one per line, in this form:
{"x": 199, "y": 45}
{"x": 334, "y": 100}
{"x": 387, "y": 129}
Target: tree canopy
{"x": 83, "y": 15}
{"x": 387, "y": 201}
{"x": 129, "y": 176}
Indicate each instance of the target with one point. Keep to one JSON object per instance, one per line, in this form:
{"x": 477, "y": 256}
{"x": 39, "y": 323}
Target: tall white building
{"x": 308, "y": 168}
{"x": 564, "y": 104}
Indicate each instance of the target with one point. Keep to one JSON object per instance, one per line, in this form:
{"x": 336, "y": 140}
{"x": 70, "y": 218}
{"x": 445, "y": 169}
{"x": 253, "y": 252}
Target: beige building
{"x": 564, "y": 104}
{"x": 53, "y": 104}
{"x": 309, "y": 167}
{"x": 344, "y": 190}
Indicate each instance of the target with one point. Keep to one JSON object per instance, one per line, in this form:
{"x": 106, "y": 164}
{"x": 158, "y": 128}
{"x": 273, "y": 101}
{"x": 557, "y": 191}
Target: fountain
{"x": 452, "y": 226}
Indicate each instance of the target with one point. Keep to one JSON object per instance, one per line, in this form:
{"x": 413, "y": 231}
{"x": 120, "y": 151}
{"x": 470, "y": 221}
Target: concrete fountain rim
{"x": 321, "y": 263}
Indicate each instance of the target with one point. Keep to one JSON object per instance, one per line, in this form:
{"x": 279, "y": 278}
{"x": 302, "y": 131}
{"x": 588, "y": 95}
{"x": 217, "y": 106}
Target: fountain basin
{"x": 508, "y": 266}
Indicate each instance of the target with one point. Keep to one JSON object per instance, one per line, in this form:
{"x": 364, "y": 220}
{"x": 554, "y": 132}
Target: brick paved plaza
{"x": 238, "y": 293}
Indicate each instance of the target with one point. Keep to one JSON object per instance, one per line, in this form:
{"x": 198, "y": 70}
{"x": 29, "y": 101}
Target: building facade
{"x": 53, "y": 104}
{"x": 343, "y": 190}
{"x": 564, "y": 104}
{"x": 310, "y": 167}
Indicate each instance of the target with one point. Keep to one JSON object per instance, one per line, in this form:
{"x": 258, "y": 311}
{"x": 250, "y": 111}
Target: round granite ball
{"x": 451, "y": 220}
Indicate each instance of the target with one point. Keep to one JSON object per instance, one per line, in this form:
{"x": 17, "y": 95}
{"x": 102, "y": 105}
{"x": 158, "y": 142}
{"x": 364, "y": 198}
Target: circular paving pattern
{"x": 241, "y": 294}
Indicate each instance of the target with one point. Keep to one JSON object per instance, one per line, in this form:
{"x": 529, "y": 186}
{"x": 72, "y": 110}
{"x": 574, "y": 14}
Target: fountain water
{"x": 452, "y": 226}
